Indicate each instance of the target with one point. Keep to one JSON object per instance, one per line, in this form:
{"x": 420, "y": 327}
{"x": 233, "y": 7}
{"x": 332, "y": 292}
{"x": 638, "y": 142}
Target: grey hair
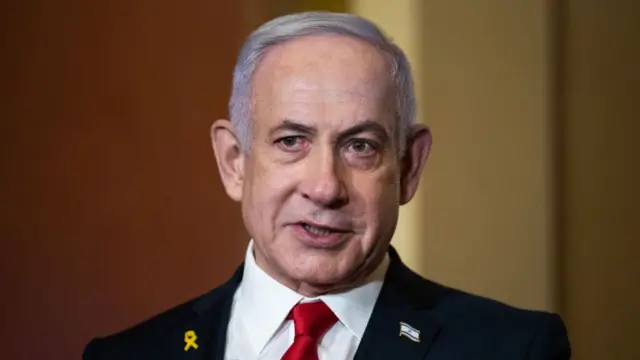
{"x": 289, "y": 27}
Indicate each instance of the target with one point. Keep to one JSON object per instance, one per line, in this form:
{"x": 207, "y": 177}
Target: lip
{"x": 327, "y": 227}
{"x": 332, "y": 240}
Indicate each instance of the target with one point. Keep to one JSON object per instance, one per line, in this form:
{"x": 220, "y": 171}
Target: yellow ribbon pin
{"x": 190, "y": 340}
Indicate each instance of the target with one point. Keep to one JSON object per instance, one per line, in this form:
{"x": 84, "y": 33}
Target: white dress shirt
{"x": 258, "y": 328}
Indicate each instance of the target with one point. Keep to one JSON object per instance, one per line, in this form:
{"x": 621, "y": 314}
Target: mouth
{"x": 321, "y": 230}
{"x": 319, "y": 236}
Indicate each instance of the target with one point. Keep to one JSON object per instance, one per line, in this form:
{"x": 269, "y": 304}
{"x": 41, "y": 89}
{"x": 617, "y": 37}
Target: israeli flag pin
{"x": 409, "y": 331}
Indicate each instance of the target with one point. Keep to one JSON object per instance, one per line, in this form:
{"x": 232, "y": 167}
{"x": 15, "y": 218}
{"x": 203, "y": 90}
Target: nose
{"x": 324, "y": 184}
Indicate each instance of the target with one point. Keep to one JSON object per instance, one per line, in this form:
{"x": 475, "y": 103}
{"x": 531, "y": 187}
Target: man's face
{"x": 320, "y": 188}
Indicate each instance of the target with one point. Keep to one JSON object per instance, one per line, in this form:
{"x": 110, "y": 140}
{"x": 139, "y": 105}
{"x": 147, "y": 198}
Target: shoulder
{"x": 163, "y": 335}
{"x": 143, "y": 339}
{"x": 474, "y": 311}
{"x": 538, "y": 334}
{"x": 481, "y": 322}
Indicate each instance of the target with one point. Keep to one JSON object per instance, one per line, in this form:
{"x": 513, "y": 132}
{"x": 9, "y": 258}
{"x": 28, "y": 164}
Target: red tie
{"x": 312, "y": 320}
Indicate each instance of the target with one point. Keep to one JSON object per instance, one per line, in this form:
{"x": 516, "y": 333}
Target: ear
{"x": 415, "y": 157}
{"x": 229, "y": 157}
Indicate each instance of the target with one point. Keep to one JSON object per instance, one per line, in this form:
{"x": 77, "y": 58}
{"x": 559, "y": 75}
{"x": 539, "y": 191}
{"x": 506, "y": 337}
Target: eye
{"x": 362, "y": 147}
{"x": 292, "y": 143}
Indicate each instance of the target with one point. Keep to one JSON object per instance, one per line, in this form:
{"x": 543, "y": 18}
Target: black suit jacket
{"x": 453, "y": 325}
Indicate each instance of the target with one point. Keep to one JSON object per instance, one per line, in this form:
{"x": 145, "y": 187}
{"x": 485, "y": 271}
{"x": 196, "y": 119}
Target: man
{"x": 321, "y": 150}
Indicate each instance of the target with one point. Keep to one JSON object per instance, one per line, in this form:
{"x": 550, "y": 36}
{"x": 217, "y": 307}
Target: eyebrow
{"x": 365, "y": 126}
{"x": 290, "y": 125}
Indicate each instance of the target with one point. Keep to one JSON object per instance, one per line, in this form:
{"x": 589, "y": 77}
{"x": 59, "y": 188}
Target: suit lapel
{"x": 401, "y": 325}
{"x": 405, "y": 299}
{"x": 210, "y": 324}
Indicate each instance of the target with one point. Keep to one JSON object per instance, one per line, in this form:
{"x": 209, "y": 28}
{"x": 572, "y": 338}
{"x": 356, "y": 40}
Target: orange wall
{"x": 110, "y": 204}
{"x": 602, "y": 239}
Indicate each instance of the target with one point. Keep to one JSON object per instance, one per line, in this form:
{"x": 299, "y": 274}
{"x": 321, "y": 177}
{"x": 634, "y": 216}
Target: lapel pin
{"x": 409, "y": 331}
{"x": 190, "y": 340}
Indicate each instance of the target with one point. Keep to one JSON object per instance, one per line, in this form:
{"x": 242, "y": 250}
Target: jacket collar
{"x": 401, "y": 325}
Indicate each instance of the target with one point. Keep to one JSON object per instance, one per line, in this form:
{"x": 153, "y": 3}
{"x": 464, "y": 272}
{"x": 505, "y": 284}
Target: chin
{"x": 323, "y": 283}
{"x": 319, "y": 270}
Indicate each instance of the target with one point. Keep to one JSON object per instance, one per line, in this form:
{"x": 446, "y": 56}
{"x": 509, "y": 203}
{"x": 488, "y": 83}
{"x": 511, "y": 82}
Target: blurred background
{"x": 111, "y": 208}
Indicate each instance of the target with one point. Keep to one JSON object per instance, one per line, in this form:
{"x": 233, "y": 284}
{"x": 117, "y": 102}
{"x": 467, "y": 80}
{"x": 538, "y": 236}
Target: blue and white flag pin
{"x": 409, "y": 331}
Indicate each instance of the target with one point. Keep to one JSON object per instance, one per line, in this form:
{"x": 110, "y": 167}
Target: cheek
{"x": 375, "y": 195}
{"x": 270, "y": 187}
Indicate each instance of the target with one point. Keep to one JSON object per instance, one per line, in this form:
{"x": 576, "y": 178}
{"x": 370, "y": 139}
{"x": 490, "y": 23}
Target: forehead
{"x": 310, "y": 73}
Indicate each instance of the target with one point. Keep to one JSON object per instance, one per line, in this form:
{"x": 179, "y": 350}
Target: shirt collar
{"x": 354, "y": 307}
{"x": 265, "y": 303}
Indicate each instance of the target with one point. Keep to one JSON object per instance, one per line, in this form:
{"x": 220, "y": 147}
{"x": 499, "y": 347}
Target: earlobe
{"x": 417, "y": 152}
{"x": 229, "y": 157}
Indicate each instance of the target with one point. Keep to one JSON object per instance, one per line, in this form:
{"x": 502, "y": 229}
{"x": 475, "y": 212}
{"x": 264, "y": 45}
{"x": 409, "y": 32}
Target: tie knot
{"x": 312, "y": 319}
